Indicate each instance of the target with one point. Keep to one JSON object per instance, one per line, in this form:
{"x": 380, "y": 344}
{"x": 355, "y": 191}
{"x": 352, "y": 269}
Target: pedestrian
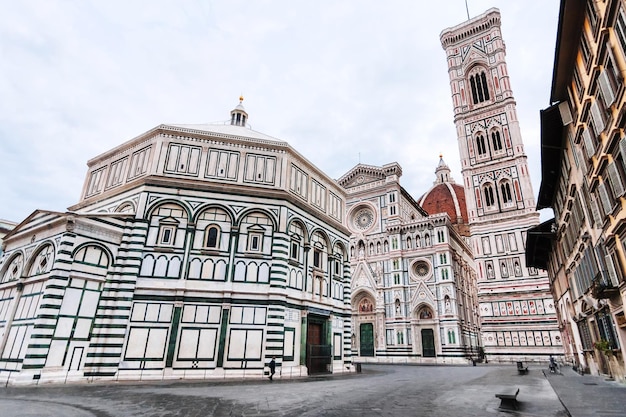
{"x": 553, "y": 365}
{"x": 272, "y": 366}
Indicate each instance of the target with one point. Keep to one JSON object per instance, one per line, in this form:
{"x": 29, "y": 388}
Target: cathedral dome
{"x": 445, "y": 196}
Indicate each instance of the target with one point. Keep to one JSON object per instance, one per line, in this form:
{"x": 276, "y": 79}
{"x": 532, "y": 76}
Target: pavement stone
{"x": 588, "y": 395}
{"x": 380, "y": 390}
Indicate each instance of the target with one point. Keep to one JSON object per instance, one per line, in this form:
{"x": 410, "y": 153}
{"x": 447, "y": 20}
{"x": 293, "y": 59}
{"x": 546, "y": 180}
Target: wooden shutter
{"x": 605, "y": 86}
{"x": 616, "y": 180}
{"x": 604, "y": 198}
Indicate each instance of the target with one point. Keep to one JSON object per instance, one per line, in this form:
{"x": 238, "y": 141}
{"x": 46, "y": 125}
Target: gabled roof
{"x": 363, "y": 174}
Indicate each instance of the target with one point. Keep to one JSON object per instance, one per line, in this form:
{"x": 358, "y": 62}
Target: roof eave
{"x": 571, "y": 18}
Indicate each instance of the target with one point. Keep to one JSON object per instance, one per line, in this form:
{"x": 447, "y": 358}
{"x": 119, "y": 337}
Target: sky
{"x": 342, "y": 81}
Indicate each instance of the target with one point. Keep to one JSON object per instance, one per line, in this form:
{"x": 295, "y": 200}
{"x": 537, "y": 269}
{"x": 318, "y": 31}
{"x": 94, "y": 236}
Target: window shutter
{"x": 583, "y": 165}
{"x": 598, "y": 120}
{"x": 605, "y": 86}
{"x": 611, "y": 270}
{"x": 595, "y": 212}
{"x": 622, "y": 150}
{"x": 590, "y": 149}
{"x": 604, "y": 198}
{"x": 616, "y": 180}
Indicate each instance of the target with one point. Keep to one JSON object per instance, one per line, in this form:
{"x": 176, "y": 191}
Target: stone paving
{"x": 587, "y": 395}
{"x": 380, "y": 390}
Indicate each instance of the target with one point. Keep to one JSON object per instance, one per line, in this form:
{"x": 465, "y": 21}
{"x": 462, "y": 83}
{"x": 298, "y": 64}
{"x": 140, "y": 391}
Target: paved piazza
{"x": 392, "y": 390}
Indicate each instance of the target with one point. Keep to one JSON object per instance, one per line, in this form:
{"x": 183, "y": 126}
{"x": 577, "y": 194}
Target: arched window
{"x": 505, "y": 188}
{"x": 319, "y": 251}
{"x": 480, "y": 91}
{"x": 14, "y": 270}
{"x": 43, "y": 261}
{"x": 480, "y": 144}
{"x": 489, "y": 198}
{"x": 483, "y": 78}
{"x": 338, "y": 252}
{"x": 212, "y": 235}
{"x": 496, "y": 141}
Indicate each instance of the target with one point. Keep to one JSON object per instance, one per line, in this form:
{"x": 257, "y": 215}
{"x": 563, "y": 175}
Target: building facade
{"x": 414, "y": 284}
{"x": 583, "y": 181}
{"x": 196, "y": 251}
{"x": 518, "y": 317}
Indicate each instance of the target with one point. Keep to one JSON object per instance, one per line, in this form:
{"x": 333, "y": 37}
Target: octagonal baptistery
{"x": 196, "y": 251}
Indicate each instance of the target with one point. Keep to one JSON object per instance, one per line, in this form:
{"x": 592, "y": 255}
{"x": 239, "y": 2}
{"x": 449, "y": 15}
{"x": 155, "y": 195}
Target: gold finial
{"x": 241, "y": 98}
{"x": 440, "y": 155}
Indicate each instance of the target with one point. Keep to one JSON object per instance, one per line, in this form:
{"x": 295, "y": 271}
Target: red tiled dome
{"x": 446, "y": 198}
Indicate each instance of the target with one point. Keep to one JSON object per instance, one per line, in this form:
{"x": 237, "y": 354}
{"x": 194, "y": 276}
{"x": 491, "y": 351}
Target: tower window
{"x": 480, "y": 91}
{"x": 480, "y": 145}
{"x": 489, "y": 199}
{"x": 505, "y": 188}
{"x": 497, "y": 142}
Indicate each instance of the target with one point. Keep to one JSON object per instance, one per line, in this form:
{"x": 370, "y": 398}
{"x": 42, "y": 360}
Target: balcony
{"x": 603, "y": 287}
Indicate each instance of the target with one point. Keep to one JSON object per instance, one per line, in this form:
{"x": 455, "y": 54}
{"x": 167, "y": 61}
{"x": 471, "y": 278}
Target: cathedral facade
{"x": 414, "y": 284}
{"x": 518, "y": 316}
{"x": 196, "y": 251}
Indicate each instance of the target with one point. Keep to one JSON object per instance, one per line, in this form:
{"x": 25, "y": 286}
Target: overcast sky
{"x": 341, "y": 81}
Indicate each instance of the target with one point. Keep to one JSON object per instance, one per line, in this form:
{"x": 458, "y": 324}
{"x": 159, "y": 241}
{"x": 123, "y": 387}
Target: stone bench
{"x": 508, "y": 398}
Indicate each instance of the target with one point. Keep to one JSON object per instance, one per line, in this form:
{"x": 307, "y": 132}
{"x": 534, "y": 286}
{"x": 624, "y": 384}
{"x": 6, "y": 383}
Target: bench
{"x": 508, "y": 398}
{"x": 521, "y": 369}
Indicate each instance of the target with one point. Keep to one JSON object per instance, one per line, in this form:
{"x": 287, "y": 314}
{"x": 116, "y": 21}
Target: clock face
{"x": 363, "y": 219}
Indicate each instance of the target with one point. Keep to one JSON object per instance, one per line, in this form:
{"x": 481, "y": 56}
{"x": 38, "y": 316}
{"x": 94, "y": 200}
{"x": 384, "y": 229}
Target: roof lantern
{"x": 238, "y": 115}
{"x": 442, "y": 172}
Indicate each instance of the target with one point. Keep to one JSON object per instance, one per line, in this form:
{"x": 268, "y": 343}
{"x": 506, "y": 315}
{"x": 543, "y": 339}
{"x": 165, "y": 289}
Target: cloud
{"x": 341, "y": 81}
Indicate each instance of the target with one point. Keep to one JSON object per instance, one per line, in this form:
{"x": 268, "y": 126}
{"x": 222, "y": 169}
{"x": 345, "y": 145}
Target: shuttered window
{"x": 595, "y": 212}
{"x": 615, "y": 180}
{"x": 598, "y": 118}
{"x": 590, "y": 148}
{"x": 604, "y": 198}
{"x": 606, "y": 87}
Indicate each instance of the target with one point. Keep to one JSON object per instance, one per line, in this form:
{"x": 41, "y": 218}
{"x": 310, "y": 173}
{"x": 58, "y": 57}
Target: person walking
{"x": 272, "y": 366}
{"x": 553, "y": 365}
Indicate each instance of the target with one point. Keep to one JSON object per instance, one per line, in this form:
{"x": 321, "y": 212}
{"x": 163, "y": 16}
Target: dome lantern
{"x": 239, "y": 116}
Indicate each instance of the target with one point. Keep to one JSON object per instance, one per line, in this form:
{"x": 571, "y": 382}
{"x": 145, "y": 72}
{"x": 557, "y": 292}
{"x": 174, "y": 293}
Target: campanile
{"x": 518, "y": 317}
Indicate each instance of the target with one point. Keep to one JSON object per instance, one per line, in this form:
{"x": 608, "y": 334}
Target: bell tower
{"x": 518, "y": 318}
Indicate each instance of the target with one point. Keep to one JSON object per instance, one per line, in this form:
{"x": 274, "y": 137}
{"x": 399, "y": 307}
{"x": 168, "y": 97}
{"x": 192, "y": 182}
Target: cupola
{"x": 442, "y": 172}
{"x": 239, "y": 116}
